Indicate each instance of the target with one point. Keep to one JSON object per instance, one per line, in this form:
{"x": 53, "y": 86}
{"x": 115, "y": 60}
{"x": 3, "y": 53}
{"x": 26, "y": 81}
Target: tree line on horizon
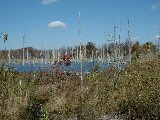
{"x": 91, "y": 49}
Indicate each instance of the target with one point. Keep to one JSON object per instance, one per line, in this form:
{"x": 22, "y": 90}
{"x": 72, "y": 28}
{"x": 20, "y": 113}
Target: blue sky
{"x": 56, "y": 21}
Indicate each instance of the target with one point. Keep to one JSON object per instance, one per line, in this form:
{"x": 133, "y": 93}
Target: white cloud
{"x": 156, "y": 37}
{"x": 136, "y": 38}
{"x": 155, "y": 6}
{"x": 45, "y": 2}
{"x": 57, "y": 24}
{"x": 156, "y": 26}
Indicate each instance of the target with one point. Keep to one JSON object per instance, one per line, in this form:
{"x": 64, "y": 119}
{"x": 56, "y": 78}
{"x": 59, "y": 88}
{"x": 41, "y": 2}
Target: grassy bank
{"x": 133, "y": 93}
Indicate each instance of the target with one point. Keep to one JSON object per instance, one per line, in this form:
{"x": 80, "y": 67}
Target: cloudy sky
{"x": 55, "y": 23}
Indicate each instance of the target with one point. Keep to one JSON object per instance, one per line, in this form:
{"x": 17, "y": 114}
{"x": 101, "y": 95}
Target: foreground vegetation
{"x": 131, "y": 94}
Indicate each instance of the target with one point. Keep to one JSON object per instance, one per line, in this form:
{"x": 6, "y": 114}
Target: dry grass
{"x": 134, "y": 92}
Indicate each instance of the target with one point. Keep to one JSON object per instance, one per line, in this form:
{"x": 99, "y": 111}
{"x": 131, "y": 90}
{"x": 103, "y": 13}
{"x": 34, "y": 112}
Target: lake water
{"x": 75, "y": 66}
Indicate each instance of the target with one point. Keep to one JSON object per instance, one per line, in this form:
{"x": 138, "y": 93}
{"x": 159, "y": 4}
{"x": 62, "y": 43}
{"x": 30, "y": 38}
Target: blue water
{"x": 75, "y": 66}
